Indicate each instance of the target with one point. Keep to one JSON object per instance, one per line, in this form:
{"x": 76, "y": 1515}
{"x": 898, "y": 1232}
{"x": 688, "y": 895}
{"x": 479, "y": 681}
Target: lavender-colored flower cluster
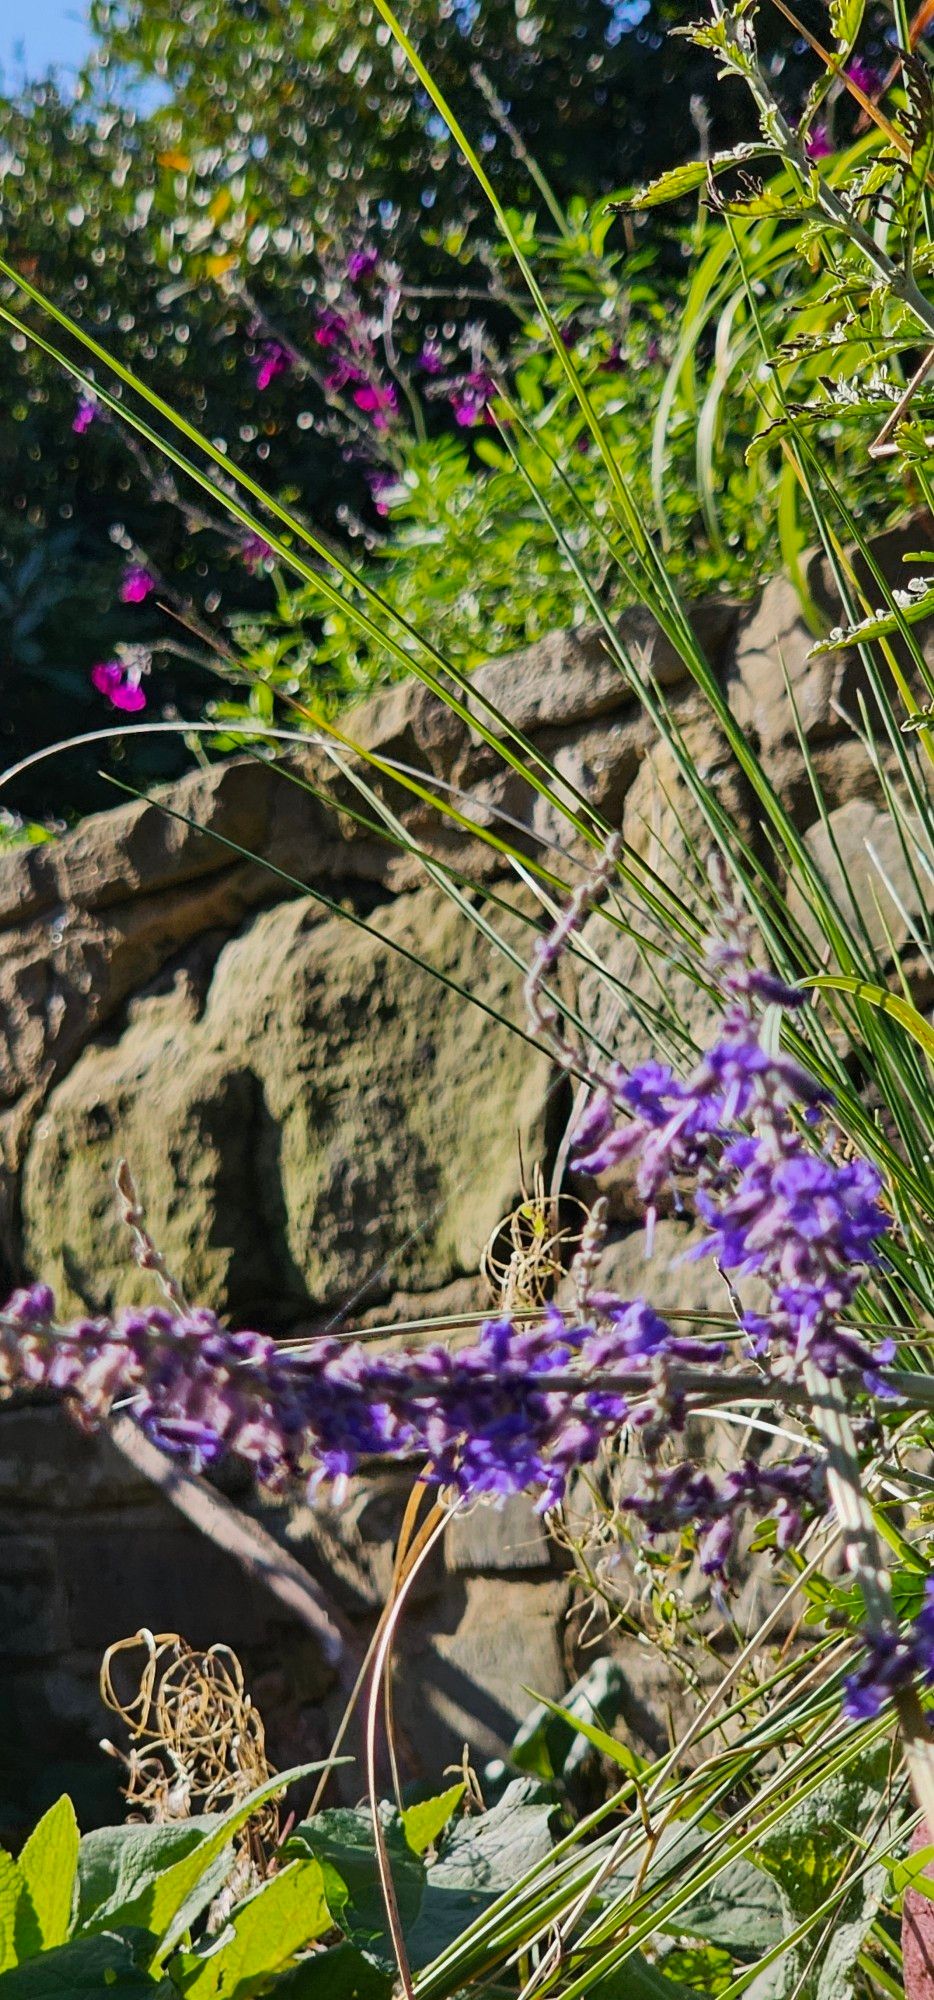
{"x": 674, "y": 1500}
{"x": 892, "y": 1661}
{"x": 773, "y": 1205}
{"x": 486, "y": 1419}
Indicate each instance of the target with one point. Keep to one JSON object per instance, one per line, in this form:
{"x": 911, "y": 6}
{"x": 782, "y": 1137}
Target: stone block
{"x": 473, "y": 1678}
{"x": 323, "y": 1129}
{"x": 861, "y": 854}
{"x": 32, "y": 1624}
{"x": 161, "y": 1574}
{"x": 47, "y": 1463}
{"x": 489, "y": 1540}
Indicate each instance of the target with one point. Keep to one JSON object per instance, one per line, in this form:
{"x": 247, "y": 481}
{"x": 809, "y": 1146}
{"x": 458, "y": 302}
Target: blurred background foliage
{"x": 249, "y": 202}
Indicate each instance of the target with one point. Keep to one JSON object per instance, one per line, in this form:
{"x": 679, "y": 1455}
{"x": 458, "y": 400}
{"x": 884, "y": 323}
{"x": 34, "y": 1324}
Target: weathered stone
{"x": 506, "y": 1539}
{"x": 880, "y": 888}
{"x": 158, "y": 1572}
{"x": 32, "y": 1625}
{"x": 570, "y": 677}
{"x": 672, "y": 1280}
{"x": 323, "y": 1129}
{"x": 46, "y": 1462}
{"x": 465, "y": 1678}
{"x": 352, "y": 1545}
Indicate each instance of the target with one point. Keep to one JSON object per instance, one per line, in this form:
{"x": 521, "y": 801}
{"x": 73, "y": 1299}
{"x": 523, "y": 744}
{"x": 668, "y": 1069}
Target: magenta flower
{"x": 343, "y": 371}
{"x": 86, "y": 413}
{"x": 469, "y": 400}
{"x": 865, "y": 75}
{"x": 377, "y": 400}
{"x": 331, "y": 329}
{"x": 272, "y": 359}
{"x": 119, "y": 684}
{"x": 381, "y": 485}
{"x": 818, "y": 144}
{"x": 138, "y": 583}
{"x": 430, "y": 358}
{"x": 361, "y": 263}
{"x": 255, "y": 553}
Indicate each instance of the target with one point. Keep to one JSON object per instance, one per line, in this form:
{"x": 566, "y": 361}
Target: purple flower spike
{"x": 121, "y": 687}
{"x": 138, "y": 583}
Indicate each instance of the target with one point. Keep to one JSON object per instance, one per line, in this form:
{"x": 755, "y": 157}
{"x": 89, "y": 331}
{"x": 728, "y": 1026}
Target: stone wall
{"x": 323, "y": 1133}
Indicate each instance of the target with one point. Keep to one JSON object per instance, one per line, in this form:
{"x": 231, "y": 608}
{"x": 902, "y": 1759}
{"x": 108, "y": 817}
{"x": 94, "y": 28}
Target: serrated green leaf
{"x": 881, "y": 625}
{"x": 423, "y": 1823}
{"x": 49, "y": 1867}
{"x": 289, "y": 1911}
{"x": 846, "y": 19}
{"x": 686, "y": 179}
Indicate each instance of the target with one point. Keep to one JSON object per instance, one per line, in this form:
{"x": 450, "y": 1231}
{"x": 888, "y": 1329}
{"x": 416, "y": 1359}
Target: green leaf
{"x": 555, "y": 1736}
{"x": 95, "y": 1967}
{"x": 879, "y": 997}
{"x": 117, "y": 1864}
{"x": 679, "y": 181}
{"x": 341, "y": 1974}
{"x": 910, "y": 1874}
{"x": 846, "y": 19}
{"x": 164, "y": 1875}
{"x": 172, "y": 1902}
{"x": 11, "y": 1898}
{"x": 424, "y": 1822}
{"x": 289, "y": 1911}
{"x": 342, "y": 1840}
{"x": 608, "y": 1746}
{"x": 479, "y": 1860}
{"x": 49, "y": 1867}
{"x": 636, "y": 1979}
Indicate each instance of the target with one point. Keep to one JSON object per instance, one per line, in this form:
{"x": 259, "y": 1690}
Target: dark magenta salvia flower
{"x": 430, "y": 358}
{"x": 818, "y": 145}
{"x": 469, "y": 400}
{"x": 866, "y": 75}
{"x": 362, "y": 263}
{"x": 381, "y": 485}
{"x": 120, "y": 684}
{"x": 378, "y": 401}
{"x": 270, "y": 361}
{"x": 255, "y": 553}
{"x": 137, "y": 583}
{"x": 86, "y": 413}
